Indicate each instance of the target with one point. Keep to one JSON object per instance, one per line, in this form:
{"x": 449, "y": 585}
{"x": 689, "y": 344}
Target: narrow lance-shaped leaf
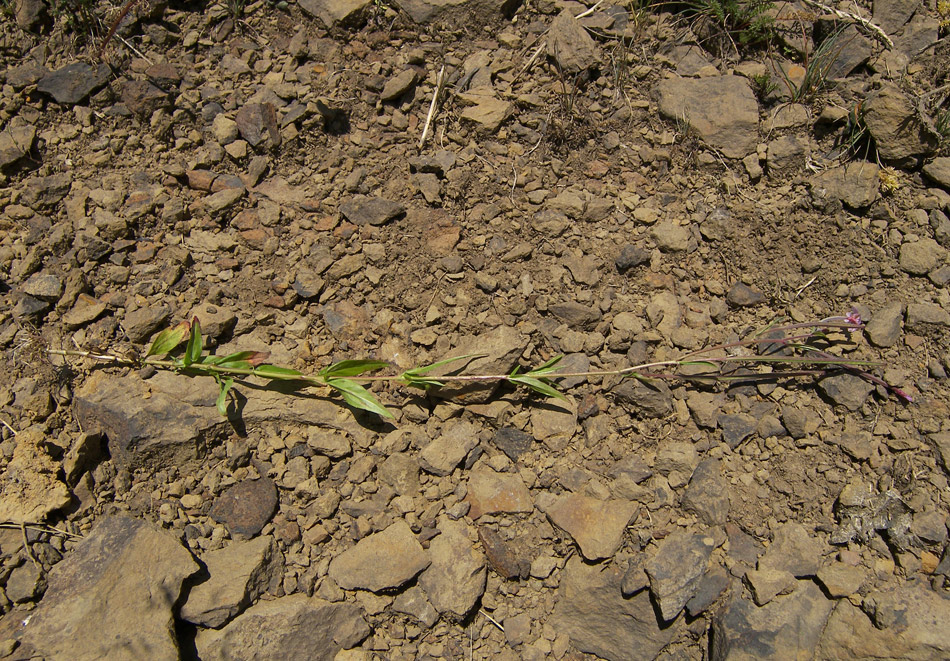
{"x": 274, "y": 371}
{"x": 194, "y": 347}
{"x": 358, "y": 397}
{"x": 346, "y": 368}
{"x": 222, "y": 402}
{"x": 244, "y": 360}
{"x": 414, "y": 377}
{"x": 540, "y": 386}
{"x": 547, "y": 367}
{"x": 169, "y": 339}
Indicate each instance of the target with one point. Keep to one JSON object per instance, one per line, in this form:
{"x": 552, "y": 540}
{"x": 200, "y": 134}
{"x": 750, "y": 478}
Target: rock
{"x": 140, "y": 324}
{"x": 707, "y": 494}
{"x": 30, "y": 15}
{"x": 381, "y": 561}
{"x": 721, "y": 109}
{"x": 85, "y": 310}
{"x": 651, "y": 399}
{"x": 599, "y": 620}
{"x": 437, "y": 163}
{"x": 841, "y": 580}
{"x": 554, "y": 422}
{"x": 142, "y": 97}
{"x": 308, "y": 283}
{"x": 712, "y": 586}
{"x": 793, "y": 550}
{"x": 485, "y": 109}
{"x": 849, "y": 51}
{"x": 670, "y": 237}
{"x": 498, "y": 352}
{"x": 630, "y": 257}
{"x": 513, "y": 442}
{"x": 291, "y": 627}
{"x": 30, "y": 489}
{"x": 414, "y": 602}
{"x": 884, "y": 327}
{"x": 919, "y": 315}
{"x": 787, "y": 627}
{"x": 236, "y": 576}
{"x": 112, "y": 596}
{"x": 597, "y": 526}
{"x": 216, "y": 321}
{"x": 676, "y": 570}
{"x": 168, "y": 419}
{"x": 362, "y": 210}
{"x": 891, "y": 119}
{"x": 454, "y": 13}
{"x": 44, "y": 193}
{"x": 71, "y": 84}
{"x": 939, "y": 171}
{"x": 333, "y": 13}
{"x": 909, "y": 623}
{"x": 736, "y": 427}
{"x": 246, "y": 507}
{"x": 570, "y": 46}
{"x": 786, "y": 153}
{"x": 766, "y": 584}
{"x": 930, "y": 526}
{"x": 455, "y": 580}
{"x": 44, "y": 286}
{"x": 25, "y": 583}
{"x": 856, "y": 184}
{"x": 920, "y": 257}
{"x": 16, "y": 141}
{"x": 741, "y": 295}
{"x": 848, "y": 390}
{"x": 511, "y": 559}
{"x": 492, "y": 493}
{"x": 891, "y": 15}
{"x": 329, "y": 443}
{"x": 399, "y": 84}
{"x": 575, "y": 315}
{"x": 257, "y": 123}
{"x": 400, "y": 470}
{"x": 441, "y": 456}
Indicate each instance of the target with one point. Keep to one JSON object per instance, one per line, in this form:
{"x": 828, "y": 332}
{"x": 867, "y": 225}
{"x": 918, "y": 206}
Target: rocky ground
{"x": 620, "y": 187}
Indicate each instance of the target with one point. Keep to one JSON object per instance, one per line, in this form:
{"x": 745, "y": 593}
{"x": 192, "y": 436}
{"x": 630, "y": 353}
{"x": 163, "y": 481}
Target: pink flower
{"x": 854, "y": 318}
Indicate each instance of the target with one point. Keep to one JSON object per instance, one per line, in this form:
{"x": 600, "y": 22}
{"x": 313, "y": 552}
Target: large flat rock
{"x": 112, "y": 596}
{"x": 722, "y": 110}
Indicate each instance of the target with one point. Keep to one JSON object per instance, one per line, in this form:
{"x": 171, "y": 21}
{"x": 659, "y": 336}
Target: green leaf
{"x": 243, "y": 360}
{"x": 539, "y": 386}
{"x": 358, "y": 397}
{"x": 414, "y": 377}
{"x": 168, "y": 339}
{"x": 416, "y": 371}
{"x": 194, "y": 347}
{"x": 351, "y": 368}
{"x": 547, "y": 367}
{"x": 273, "y": 371}
{"x": 222, "y": 402}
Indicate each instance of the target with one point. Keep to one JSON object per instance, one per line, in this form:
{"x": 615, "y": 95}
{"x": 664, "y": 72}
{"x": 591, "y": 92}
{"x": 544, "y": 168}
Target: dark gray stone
{"x": 513, "y": 442}
{"x": 631, "y": 256}
{"x": 786, "y": 628}
{"x": 741, "y": 295}
{"x": 591, "y": 610}
{"x": 73, "y": 83}
{"x": 677, "y": 569}
{"x": 708, "y": 494}
{"x": 736, "y": 427}
{"x": 848, "y": 390}
{"x": 246, "y": 507}
{"x": 362, "y": 210}
{"x": 651, "y": 399}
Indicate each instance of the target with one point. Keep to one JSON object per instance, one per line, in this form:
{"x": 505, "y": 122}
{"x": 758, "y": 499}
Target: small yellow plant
{"x": 943, "y": 8}
{"x": 890, "y": 181}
